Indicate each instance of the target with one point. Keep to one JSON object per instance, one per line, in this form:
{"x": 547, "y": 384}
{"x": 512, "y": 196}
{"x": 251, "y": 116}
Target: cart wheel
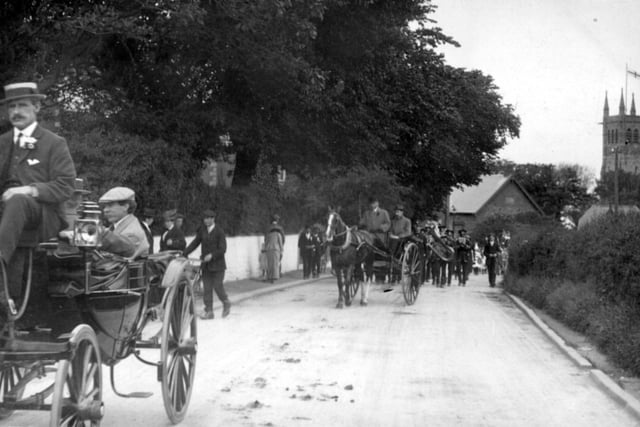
{"x": 9, "y": 377}
{"x": 179, "y": 347}
{"x": 77, "y": 393}
{"x": 353, "y": 284}
{"x": 411, "y": 269}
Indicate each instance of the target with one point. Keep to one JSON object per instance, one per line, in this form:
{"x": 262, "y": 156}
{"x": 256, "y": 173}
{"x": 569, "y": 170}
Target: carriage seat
{"x": 67, "y": 275}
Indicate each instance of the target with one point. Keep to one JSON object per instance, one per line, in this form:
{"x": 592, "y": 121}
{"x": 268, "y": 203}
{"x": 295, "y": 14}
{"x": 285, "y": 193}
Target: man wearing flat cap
{"x": 36, "y": 173}
{"x": 125, "y": 236}
{"x": 214, "y": 246}
{"x": 173, "y": 238}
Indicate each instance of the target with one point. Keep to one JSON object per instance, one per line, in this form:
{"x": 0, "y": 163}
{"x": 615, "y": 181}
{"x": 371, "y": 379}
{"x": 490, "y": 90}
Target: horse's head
{"x": 335, "y": 225}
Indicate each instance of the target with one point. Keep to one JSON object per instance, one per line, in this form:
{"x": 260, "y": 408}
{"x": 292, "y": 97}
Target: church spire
{"x": 621, "y": 108}
{"x": 632, "y": 111}
{"x": 606, "y": 104}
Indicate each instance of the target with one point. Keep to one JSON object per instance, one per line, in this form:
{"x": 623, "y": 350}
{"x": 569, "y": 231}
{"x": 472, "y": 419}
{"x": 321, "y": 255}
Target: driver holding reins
{"x": 124, "y": 236}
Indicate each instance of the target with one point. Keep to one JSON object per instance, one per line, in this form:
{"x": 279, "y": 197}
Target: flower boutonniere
{"x": 28, "y": 142}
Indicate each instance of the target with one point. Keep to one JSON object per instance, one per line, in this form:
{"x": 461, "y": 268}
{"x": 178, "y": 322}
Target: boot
{"x": 226, "y": 308}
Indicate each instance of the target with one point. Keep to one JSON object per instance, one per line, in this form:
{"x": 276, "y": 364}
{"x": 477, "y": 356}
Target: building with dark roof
{"x": 495, "y": 194}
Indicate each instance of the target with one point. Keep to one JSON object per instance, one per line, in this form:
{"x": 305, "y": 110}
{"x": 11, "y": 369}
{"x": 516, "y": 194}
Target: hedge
{"x": 589, "y": 279}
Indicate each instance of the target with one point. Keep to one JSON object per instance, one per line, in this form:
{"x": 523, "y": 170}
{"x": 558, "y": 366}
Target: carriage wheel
{"x": 178, "y": 350}
{"x": 77, "y": 393}
{"x": 354, "y": 284}
{"x": 351, "y": 286}
{"x": 9, "y": 377}
{"x": 411, "y": 272}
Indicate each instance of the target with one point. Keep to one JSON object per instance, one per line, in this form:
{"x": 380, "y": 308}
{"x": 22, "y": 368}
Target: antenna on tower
{"x": 626, "y": 81}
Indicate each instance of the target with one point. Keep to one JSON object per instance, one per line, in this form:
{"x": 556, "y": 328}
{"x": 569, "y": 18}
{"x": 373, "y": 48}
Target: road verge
{"x": 602, "y": 380}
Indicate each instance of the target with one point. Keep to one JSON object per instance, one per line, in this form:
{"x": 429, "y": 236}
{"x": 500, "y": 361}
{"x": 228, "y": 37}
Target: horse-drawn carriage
{"x": 351, "y": 248}
{"x": 102, "y": 305}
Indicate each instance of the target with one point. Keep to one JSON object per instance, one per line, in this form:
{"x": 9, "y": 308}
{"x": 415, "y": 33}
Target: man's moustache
{"x": 13, "y": 118}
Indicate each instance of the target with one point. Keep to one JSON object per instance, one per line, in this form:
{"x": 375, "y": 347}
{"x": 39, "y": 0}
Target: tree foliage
{"x": 558, "y": 189}
{"x": 628, "y": 187}
{"x": 311, "y": 85}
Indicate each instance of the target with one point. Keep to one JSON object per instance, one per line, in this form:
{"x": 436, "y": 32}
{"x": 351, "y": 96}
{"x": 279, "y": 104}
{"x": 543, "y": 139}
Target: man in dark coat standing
{"x": 491, "y": 252}
{"x": 173, "y": 237}
{"x": 214, "y": 246}
{"x": 146, "y": 221}
{"x": 36, "y": 174}
{"x": 463, "y": 257}
{"x": 306, "y": 246}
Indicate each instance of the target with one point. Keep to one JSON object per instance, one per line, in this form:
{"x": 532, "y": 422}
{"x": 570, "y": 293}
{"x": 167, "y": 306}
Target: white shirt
{"x": 28, "y": 131}
{"x": 210, "y": 229}
{"x": 168, "y": 230}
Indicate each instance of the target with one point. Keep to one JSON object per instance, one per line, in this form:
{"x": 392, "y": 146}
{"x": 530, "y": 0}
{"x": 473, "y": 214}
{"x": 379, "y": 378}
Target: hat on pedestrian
{"x": 441, "y": 227}
{"x": 449, "y": 231}
{"x": 179, "y": 215}
{"x": 400, "y": 208}
{"x": 78, "y": 187}
{"x": 118, "y": 194}
{"x": 209, "y": 213}
{"x": 275, "y": 218}
{"x": 462, "y": 230}
{"x": 169, "y": 215}
{"x": 148, "y": 213}
{"x": 15, "y": 91}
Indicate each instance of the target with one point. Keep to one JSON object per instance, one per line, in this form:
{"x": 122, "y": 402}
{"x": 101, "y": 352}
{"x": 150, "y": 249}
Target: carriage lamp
{"x": 87, "y": 232}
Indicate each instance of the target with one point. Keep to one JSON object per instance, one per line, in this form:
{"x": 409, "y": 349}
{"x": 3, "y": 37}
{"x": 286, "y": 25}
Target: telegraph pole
{"x": 616, "y": 190}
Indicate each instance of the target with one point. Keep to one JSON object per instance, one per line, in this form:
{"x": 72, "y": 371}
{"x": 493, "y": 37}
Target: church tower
{"x": 621, "y": 133}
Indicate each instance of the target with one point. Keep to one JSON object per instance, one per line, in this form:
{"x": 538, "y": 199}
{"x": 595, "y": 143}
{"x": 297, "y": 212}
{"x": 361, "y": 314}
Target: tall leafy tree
{"x": 311, "y": 85}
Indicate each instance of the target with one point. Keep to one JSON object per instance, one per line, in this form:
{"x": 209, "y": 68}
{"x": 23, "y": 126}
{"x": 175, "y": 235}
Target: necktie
{"x": 18, "y": 138}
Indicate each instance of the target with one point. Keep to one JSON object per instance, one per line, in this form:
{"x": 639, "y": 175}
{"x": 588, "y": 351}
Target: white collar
{"x": 28, "y": 131}
{"x": 211, "y": 227}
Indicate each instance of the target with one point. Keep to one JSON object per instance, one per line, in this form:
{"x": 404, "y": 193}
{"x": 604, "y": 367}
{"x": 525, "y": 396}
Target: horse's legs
{"x": 348, "y": 283}
{"x": 339, "y": 272}
{"x": 366, "y": 285}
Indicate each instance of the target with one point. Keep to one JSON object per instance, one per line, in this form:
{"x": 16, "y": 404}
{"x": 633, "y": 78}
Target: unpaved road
{"x": 458, "y": 357}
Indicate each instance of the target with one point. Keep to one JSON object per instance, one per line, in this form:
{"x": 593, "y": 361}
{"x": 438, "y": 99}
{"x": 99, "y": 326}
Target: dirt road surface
{"x": 461, "y": 356}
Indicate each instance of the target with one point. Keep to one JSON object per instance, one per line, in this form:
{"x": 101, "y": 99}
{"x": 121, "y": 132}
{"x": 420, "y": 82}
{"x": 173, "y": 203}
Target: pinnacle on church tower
{"x": 621, "y": 108}
{"x": 632, "y": 111}
{"x": 606, "y": 104}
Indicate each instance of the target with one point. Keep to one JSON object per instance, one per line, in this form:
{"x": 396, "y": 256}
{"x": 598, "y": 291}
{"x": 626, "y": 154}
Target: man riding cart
{"x": 37, "y": 176}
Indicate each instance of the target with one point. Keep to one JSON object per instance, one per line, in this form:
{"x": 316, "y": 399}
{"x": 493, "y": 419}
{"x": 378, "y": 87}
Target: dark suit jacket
{"x": 214, "y": 243}
{"x": 50, "y": 169}
{"x": 148, "y": 233}
{"x": 178, "y": 243}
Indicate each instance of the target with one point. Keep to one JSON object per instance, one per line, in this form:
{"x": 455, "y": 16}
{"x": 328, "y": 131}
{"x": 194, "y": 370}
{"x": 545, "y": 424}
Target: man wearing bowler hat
{"x": 146, "y": 221}
{"x": 214, "y": 246}
{"x": 173, "y": 238}
{"x": 36, "y": 173}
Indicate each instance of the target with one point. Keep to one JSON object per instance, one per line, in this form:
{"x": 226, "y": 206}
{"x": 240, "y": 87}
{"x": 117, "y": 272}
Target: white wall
{"x": 243, "y": 255}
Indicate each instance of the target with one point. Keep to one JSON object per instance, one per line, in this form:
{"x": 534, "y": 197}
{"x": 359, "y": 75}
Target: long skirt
{"x": 273, "y": 265}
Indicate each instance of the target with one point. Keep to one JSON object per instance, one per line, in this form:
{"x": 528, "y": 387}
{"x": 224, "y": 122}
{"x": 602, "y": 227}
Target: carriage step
{"x": 132, "y": 395}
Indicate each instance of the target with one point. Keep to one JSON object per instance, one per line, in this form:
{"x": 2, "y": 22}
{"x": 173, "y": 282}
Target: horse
{"x": 349, "y": 248}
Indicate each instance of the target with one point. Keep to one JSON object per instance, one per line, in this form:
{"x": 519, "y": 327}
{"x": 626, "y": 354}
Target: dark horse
{"x": 349, "y": 249}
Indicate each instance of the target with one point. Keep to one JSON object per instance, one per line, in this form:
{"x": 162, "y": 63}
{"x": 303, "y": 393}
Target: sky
{"x": 553, "y": 60}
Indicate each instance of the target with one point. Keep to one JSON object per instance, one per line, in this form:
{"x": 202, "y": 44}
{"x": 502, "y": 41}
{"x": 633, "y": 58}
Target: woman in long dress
{"x": 273, "y": 245}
